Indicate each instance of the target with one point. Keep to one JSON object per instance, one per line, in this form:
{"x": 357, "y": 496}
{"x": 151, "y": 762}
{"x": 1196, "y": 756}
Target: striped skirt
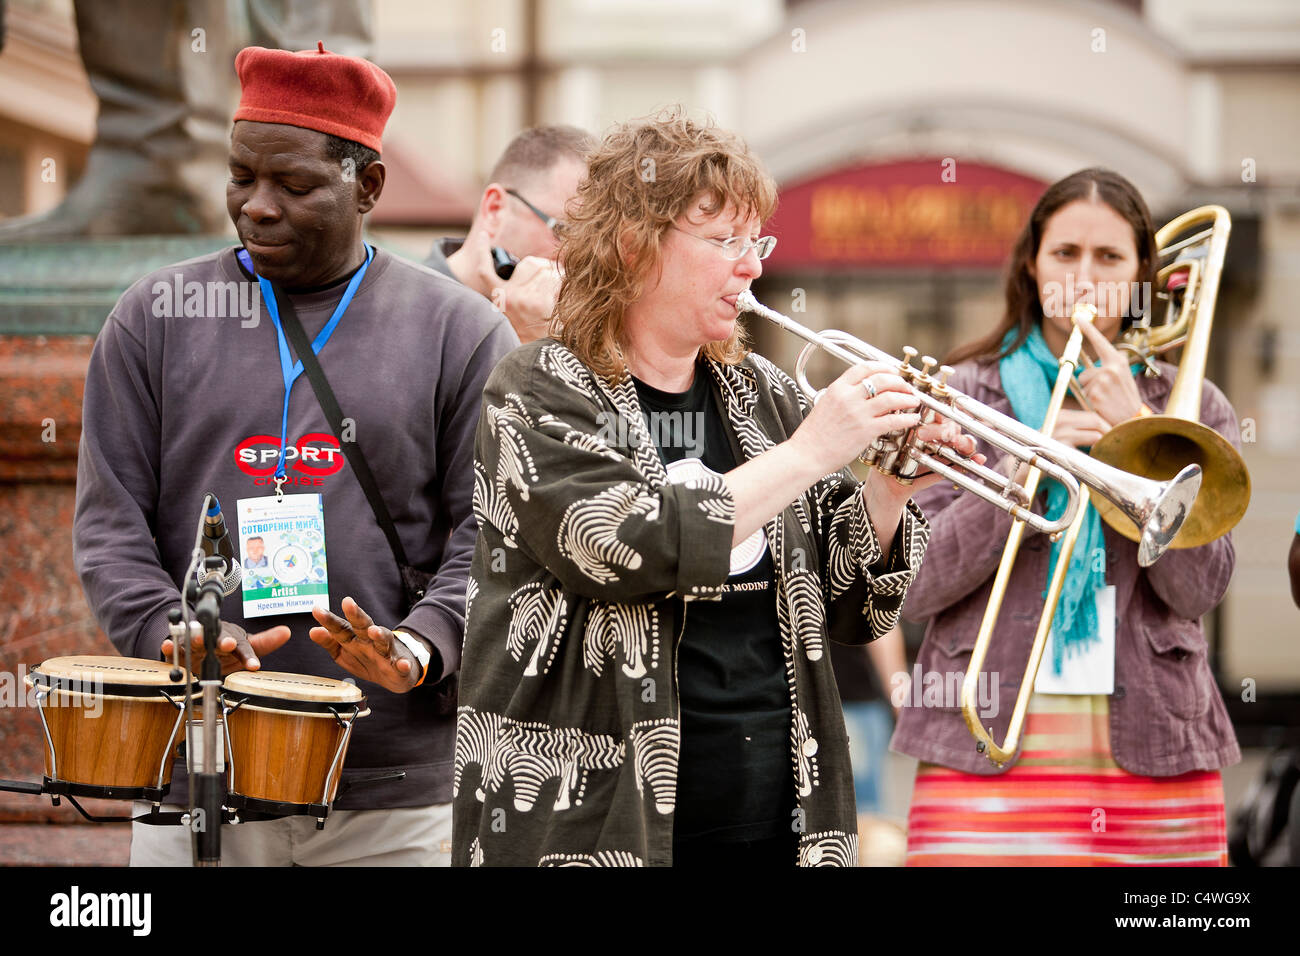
{"x": 1065, "y": 802}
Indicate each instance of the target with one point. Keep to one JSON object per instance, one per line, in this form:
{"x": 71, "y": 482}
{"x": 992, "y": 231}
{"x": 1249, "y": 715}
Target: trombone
{"x": 984, "y": 742}
{"x": 1155, "y": 446}
{"x": 1157, "y": 507}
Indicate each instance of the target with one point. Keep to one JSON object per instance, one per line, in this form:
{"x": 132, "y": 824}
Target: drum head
{"x": 91, "y": 670}
{"x": 305, "y": 687}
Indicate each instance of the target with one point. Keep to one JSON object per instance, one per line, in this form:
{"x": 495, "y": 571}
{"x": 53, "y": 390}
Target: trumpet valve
{"x": 905, "y": 370}
{"x": 927, "y": 363}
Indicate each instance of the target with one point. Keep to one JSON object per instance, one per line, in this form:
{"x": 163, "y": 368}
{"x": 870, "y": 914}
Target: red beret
{"x": 341, "y": 95}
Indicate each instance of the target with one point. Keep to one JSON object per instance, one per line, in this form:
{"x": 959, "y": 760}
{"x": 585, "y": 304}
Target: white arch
{"x": 1009, "y": 82}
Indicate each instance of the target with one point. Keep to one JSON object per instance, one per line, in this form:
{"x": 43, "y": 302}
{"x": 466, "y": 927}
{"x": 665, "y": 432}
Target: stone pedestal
{"x": 53, "y": 299}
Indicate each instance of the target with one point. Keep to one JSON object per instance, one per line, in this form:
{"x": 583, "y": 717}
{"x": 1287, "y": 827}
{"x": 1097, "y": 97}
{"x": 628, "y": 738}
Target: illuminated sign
{"x": 902, "y": 214}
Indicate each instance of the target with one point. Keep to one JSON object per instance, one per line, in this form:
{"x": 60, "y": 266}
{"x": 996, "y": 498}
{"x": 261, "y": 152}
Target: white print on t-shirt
{"x": 747, "y": 586}
{"x": 744, "y": 556}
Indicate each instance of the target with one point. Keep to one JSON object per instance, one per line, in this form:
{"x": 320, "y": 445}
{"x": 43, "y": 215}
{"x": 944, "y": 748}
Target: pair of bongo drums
{"x": 113, "y": 724}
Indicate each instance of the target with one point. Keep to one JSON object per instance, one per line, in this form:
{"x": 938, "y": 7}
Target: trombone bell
{"x": 1157, "y": 446}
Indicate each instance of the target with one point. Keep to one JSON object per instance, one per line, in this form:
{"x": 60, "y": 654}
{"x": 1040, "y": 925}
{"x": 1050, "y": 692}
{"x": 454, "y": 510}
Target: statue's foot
{"x": 120, "y": 195}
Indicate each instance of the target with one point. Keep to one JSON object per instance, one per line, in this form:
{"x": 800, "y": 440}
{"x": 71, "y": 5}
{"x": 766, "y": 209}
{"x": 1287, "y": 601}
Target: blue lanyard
{"x": 289, "y": 369}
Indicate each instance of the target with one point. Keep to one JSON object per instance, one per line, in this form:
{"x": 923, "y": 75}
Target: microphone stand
{"x": 207, "y": 794}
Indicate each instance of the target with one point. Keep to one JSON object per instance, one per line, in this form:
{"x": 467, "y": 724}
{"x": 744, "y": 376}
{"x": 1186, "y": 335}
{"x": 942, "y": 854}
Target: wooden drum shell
{"x": 109, "y": 723}
{"x": 283, "y": 757}
{"x": 122, "y": 747}
{"x": 284, "y": 732}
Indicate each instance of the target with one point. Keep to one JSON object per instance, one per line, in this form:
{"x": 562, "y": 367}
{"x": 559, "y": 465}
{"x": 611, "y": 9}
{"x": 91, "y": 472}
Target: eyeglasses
{"x": 737, "y": 246}
{"x": 556, "y": 226}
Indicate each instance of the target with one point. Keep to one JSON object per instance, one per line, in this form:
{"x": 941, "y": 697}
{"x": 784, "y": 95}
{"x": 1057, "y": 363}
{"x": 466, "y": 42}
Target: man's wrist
{"x": 421, "y": 647}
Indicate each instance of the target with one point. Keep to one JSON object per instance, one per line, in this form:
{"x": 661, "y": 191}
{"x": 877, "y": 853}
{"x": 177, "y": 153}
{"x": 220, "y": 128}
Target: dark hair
{"x": 336, "y": 147}
{"x": 1024, "y": 310}
{"x": 539, "y": 148}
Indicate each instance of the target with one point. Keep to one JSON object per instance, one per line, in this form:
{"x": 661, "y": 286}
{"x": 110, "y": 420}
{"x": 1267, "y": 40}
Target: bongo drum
{"x": 111, "y": 725}
{"x": 286, "y": 738}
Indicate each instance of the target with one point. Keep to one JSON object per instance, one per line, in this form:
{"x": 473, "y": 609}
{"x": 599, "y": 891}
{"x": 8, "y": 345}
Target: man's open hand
{"x": 365, "y": 649}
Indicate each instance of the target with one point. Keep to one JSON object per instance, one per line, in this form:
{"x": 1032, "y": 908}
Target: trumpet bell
{"x": 1169, "y": 517}
{"x": 1159, "y": 446}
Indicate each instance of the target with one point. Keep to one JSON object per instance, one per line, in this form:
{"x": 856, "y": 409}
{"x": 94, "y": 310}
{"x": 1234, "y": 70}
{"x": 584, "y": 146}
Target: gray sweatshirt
{"x": 184, "y": 395}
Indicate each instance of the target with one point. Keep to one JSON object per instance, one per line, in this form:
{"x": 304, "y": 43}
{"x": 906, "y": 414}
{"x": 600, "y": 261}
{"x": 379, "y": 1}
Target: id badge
{"x": 282, "y": 550}
{"x": 1092, "y": 670}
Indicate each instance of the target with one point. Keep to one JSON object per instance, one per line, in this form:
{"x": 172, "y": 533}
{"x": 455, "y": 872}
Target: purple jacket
{"x": 1166, "y": 714}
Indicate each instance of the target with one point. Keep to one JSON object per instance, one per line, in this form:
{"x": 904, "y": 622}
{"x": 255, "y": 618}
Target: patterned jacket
{"x": 567, "y": 738}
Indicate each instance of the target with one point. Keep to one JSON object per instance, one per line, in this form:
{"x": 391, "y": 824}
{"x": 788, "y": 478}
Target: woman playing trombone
{"x": 1126, "y": 731}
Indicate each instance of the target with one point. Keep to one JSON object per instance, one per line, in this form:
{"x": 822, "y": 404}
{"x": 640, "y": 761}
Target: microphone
{"x": 216, "y": 543}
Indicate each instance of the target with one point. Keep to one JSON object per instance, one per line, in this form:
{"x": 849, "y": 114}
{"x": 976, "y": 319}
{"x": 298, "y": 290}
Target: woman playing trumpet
{"x": 1126, "y": 731}
{"x": 668, "y": 538}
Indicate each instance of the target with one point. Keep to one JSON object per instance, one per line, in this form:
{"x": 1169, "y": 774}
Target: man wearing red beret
{"x": 187, "y": 393}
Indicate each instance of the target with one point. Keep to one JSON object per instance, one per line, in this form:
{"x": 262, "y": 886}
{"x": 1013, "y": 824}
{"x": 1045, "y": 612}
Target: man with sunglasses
{"x": 509, "y": 254}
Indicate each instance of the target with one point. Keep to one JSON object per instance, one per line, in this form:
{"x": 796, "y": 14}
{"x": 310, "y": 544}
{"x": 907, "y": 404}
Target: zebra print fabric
{"x": 568, "y": 732}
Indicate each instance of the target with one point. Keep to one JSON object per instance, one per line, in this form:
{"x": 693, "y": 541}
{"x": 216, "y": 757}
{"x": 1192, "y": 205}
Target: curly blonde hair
{"x": 640, "y": 179}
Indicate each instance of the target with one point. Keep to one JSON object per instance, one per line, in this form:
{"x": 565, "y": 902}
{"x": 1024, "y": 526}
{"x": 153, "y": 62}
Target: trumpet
{"x": 1156, "y": 507}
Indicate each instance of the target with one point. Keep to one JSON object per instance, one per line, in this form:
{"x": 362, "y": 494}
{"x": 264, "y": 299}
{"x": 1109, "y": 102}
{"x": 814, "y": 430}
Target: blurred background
{"x": 910, "y": 139}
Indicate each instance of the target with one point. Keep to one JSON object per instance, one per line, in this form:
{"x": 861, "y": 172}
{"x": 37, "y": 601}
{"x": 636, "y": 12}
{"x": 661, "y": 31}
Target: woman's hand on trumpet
{"x": 860, "y": 406}
{"x": 865, "y": 403}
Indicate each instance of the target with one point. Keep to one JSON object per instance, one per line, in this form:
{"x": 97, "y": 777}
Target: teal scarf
{"x": 1028, "y": 375}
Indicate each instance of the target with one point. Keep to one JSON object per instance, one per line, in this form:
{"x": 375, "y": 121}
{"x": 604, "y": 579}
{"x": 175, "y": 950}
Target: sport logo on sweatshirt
{"x": 308, "y": 461}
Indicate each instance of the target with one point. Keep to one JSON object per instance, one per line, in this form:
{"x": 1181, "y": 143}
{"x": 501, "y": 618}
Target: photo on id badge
{"x": 283, "y": 547}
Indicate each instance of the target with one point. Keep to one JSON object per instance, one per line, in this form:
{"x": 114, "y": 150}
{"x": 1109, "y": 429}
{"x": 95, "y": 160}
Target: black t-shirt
{"x": 854, "y": 674}
{"x": 734, "y": 778}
